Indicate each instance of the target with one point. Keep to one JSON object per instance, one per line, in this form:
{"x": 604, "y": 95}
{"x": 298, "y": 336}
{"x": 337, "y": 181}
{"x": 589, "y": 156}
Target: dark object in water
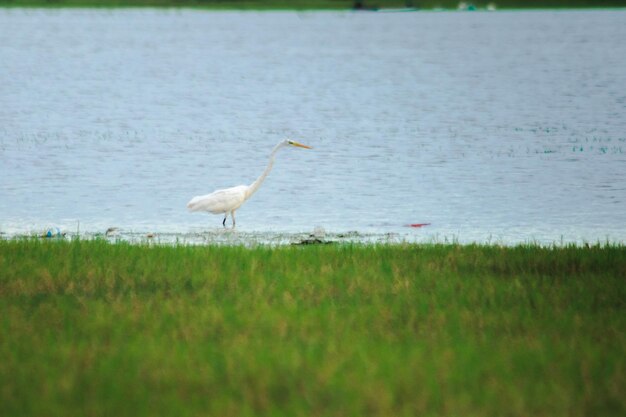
{"x": 418, "y": 224}
{"x": 360, "y": 5}
{"x": 312, "y": 241}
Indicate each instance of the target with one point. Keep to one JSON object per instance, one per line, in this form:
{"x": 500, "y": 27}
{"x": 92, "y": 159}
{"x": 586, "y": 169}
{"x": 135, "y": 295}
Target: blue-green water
{"x": 492, "y": 127}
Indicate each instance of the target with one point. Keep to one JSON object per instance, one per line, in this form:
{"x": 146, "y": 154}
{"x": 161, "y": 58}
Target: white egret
{"x": 228, "y": 200}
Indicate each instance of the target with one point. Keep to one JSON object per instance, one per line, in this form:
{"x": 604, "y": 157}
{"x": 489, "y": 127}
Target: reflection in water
{"x": 492, "y": 127}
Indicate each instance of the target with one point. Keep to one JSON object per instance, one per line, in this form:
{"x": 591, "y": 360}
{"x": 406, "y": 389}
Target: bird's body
{"x": 228, "y": 200}
{"x": 219, "y": 201}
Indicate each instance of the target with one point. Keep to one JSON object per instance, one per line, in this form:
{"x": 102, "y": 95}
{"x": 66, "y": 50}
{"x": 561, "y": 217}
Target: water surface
{"x": 493, "y": 127}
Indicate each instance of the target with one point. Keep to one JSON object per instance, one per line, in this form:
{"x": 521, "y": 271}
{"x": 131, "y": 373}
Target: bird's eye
{"x": 290, "y": 142}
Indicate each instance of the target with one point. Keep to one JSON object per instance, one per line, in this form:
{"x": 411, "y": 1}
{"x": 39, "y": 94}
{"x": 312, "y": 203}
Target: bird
{"x": 227, "y": 200}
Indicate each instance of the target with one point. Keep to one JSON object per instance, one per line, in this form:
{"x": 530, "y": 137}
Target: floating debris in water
{"x": 418, "y": 224}
{"x": 347, "y": 235}
{"x": 319, "y": 232}
{"x": 318, "y": 237}
{"x": 313, "y": 241}
{"x": 53, "y": 232}
{"x": 112, "y": 231}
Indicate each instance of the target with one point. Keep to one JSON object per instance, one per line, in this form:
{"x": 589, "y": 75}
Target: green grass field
{"x": 91, "y": 328}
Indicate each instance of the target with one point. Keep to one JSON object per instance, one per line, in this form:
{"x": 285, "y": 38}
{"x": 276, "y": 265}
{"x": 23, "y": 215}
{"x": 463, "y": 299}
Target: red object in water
{"x": 418, "y": 224}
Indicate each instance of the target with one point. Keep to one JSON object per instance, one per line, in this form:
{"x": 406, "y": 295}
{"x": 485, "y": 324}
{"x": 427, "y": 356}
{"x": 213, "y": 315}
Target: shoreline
{"x": 327, "y": 6}
{"x": 278, "y": 239}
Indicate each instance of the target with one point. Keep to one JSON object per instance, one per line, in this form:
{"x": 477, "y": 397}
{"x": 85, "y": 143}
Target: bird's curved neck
{"x": 256, "y": 184}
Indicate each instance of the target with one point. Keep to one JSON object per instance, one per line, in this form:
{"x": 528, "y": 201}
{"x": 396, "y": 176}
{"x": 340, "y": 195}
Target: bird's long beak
{"x": 294, "y": 143}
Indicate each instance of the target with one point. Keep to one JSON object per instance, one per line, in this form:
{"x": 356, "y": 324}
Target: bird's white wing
{"x": 220, "y": 201}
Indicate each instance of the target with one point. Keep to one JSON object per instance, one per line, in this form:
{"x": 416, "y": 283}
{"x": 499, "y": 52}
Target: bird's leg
{"x": 232, "y": 214}
{"x": 224, "y": 222}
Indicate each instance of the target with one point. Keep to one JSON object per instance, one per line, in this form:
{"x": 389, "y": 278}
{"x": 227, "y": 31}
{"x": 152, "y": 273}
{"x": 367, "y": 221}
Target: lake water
{"x": 501, "y": 127}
